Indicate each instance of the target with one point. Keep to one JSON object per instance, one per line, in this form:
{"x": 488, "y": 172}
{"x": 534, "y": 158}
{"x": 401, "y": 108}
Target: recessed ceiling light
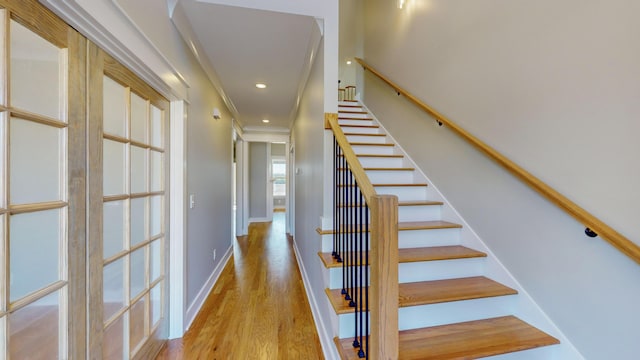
{"x": 261, "y": 85}
{"x": 348, "y": 62}
{"x": 265, "y": 121}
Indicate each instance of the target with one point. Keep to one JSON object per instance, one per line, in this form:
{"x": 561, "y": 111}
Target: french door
{"x": 42, "y": 185}
{"x": 126, "y": 186}
{"x": 83, "y": 208}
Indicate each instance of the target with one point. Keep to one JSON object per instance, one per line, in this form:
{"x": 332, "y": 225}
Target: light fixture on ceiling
{"x": 261, "y": 86}
{"x": 401, "y": 4}
{"x": 348, "y": 62}
{"x": 265, "y": 121}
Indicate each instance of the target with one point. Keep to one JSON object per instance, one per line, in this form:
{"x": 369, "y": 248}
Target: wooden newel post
{"x": 384, "y": 278}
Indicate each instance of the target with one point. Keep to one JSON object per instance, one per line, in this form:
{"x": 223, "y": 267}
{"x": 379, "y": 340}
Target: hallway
{"x": 258, "y": 309}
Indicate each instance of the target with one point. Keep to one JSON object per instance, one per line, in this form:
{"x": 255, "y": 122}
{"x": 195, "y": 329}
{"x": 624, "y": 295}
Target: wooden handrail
{"x": 368, "y": 191}
{"x": 616, "y": 239}
{"x": 383, "y": 257}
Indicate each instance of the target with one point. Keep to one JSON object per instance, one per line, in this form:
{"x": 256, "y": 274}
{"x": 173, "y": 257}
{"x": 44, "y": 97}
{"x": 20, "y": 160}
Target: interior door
{"x": 42, "y": 185}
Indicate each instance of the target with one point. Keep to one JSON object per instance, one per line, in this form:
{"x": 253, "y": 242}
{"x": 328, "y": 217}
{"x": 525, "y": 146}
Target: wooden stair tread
{"x": 360, "y": 126}
{"x": 408, "y": 255}
{"x": 467, "y": 340}
{"x": 411, "y": 225}
{"x": 350, "y": 106}
{"x": 385, "y": 169}
{"x": 354, "y": 118}
{"x": 434, "y": 292}
{"x": 381, "y": 155}
{"x": 406, "y": 203}
{"x": 351, "y": 112}
{"x": 419, "y": 203}
{"x": 389, "y": 169}
{"x": 401, "y": 185}
{"x": 427, "y": 225}
{"x": 359, "y": 134}
{"x": 371, "y": 144}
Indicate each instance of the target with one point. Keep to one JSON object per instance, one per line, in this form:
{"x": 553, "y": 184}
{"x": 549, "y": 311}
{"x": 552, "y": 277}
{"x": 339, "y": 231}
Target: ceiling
{"x": 239, "y": 47}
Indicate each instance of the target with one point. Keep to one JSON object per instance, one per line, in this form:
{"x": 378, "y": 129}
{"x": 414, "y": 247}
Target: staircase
{"x": 448, "y": 308}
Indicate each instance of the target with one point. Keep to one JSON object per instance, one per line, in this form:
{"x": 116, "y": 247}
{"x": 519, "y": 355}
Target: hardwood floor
{"x": 258, "y": 309}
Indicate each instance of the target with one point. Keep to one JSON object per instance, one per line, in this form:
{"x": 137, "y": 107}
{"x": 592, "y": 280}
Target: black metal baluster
{"x": 363, "y": 267}
{"x": 334, "y": 251}
{"x": 350, "y": 237}
{"x": 366, "y": 295}
{"x": 343, "y": 197}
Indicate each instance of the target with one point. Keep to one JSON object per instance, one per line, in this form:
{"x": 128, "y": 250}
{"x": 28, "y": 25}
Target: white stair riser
{"x": 381, "y": 162}
{"x": 348, "y": 103}
{"x": 353, "y": 115}
{"x": 354, "y": 122}
{"x": 424, "y": 238}
{"x": 361, "y": 130}
{"x": 415, "y": 317}
{"x": 424, "y": 271}
{"x": 373, "y": 149}
{"x": 419, "y": 213}
{"x": 440, "y": 270}
{"x": 392, "y": 177}
{"x": 367, "y": 139}
{"x": 412, "y": 238}
{"x": 405, "y": 193}
{"x": 335, "y": 278}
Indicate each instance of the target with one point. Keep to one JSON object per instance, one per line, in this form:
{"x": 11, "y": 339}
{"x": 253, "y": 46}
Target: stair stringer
{"x": 525, "y": 306}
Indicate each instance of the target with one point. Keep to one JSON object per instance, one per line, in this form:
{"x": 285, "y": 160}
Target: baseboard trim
{"x": 197, "y": 303}
{"x": 326, "y": 339}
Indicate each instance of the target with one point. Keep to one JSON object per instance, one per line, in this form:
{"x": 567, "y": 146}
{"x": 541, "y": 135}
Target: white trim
{"x": 326, "y": 341}
{"x": 256, "y": 220}
{"x": 177, "y": 219}
{"x": 199, "y": 300}
{"x": 75, "y": 15}
{"x": 159, "y": 53}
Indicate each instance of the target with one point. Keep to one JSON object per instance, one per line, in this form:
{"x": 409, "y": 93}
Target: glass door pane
{"x": 34, "y": 196}
{"x": 133, "y": 205}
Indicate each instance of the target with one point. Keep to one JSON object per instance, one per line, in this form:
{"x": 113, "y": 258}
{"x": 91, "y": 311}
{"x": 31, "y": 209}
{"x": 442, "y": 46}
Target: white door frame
{"x": 177, "y": 219}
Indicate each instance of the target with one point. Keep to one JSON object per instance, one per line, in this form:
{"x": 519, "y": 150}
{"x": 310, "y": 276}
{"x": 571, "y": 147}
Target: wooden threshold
{"x": 467, "y": 340}
{"x": 433, "y": 292}
{"x": 409, "y": 255}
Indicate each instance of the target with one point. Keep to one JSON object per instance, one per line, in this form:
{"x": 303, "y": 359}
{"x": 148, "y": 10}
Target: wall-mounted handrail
{"x": 383, "y": 293}
{"x": 616, "y": 239}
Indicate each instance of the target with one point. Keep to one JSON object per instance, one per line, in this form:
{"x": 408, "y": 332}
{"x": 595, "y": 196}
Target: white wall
{"x": 351, "y": 41}
{"x": 308, "y": 172}
{"x": 554, "y": 86}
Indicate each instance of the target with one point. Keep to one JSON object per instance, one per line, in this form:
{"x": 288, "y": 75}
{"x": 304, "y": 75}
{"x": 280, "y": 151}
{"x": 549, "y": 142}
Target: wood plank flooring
{"x": 258, "y": 309}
